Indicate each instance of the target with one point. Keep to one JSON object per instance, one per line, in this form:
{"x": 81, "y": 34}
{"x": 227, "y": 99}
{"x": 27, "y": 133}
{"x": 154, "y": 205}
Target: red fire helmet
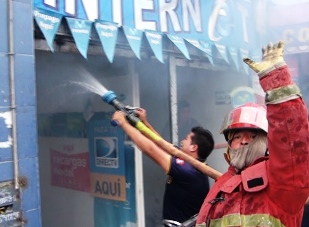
{"x": 247, "y": 116}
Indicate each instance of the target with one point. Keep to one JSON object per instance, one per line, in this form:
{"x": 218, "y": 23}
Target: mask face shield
{"x": 246, "y": 146}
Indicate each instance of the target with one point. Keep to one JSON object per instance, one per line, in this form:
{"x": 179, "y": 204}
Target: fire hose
{"x": 111, "y": 98}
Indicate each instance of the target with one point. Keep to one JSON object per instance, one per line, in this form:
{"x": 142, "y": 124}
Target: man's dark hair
{"x": 204, "y": 140}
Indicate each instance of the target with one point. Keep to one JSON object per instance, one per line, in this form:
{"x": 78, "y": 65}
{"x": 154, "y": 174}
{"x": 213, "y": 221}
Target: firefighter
{"x": 267, "y": 182}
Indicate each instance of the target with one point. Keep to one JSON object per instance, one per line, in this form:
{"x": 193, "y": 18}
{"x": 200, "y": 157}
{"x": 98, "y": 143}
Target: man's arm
{"x": 143, "y": 143}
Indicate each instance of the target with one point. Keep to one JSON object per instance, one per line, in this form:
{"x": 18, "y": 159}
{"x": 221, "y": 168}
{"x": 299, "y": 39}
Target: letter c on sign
{"x": 288, "y": 36}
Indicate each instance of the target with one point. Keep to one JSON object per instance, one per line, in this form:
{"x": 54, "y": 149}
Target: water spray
{"x": 130, "y": 112}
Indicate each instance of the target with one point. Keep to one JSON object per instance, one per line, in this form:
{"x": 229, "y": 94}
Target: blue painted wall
{"x": 25, "y": 106}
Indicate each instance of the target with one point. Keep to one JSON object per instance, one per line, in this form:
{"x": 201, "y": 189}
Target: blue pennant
{"x": 80, "y": 30}
{"x": 234, "y": 55}
{"x": 155, "y": 42}
{"x": 222, "y": 51}
{"x": 49, "y": 23}
{"x": 134, "y": 37}
{"x": 179, "y": 42}
{"x": 108, "y": 33}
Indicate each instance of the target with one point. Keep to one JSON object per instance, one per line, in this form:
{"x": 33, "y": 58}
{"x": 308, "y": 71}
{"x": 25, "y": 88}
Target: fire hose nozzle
{"x": 111, "y": 98}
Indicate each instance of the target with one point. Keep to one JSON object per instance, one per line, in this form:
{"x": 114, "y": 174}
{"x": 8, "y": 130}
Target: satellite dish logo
{"x": 106, "y": 152}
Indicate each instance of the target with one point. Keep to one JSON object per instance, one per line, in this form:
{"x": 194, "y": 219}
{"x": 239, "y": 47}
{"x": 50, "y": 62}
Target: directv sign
{"x": 106, "y": 152}
{"x": 106, "y": 147}
{"x": 220, "y": 21}
{"x": 107, "y": 160}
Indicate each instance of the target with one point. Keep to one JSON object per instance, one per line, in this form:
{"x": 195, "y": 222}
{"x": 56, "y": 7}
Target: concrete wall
{"x": 25, "y": 106}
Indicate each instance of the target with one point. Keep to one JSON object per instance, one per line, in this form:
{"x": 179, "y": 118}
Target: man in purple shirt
{"x": 185, "y": 190}
{"x": 186, "y": 187}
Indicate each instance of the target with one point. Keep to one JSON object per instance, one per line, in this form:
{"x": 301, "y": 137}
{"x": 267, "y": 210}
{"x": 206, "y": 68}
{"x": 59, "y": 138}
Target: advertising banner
{"x": 107, "y": 162}
{"x": 229, "y": 22}
{"x": 117, "y": 213}
{"x": 69, "y": 163}
{"x": 112, "y": 175}
{"x": 295, "y": 36}
{"x": 106, "y": 147}
{"x": 204, "y": 24}
{"x": 70, "y": 170}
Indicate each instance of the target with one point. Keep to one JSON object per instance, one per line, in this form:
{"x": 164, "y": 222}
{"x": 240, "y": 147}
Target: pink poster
{"x": 70, "y": 170}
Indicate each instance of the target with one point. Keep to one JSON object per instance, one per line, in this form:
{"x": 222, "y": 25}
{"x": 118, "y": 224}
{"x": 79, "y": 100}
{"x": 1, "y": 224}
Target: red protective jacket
{"x": 272, "y": 191}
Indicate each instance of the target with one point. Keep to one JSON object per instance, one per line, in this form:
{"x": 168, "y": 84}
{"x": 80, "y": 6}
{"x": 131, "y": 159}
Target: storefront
{"x": 151, "y": 69}
{"x": 152, "y": 54}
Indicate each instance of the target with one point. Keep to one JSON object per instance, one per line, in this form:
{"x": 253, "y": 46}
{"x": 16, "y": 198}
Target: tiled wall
{"x": 25, "y": 90}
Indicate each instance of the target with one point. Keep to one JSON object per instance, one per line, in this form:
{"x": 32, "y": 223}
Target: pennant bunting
{"x": 80, "y": 30}
{"x": 194, "y": 43}
{"x": 203, "y": 46}
{"x": 180, "y": 44}
{"x": 155, "y": 42}
{"x": 107, "y": 32}
{"x": 134, "y": 37}
{"x": 234, "y": 56}
{"x": 48, "y": 23}
{"x": 222, "y": 51}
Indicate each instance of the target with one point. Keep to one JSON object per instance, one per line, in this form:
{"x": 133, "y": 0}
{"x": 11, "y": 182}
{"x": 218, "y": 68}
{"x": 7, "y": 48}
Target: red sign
{"x": 70, "y": 170}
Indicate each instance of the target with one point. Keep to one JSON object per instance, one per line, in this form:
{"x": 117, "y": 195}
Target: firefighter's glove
{"x": 272, "y": 58}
